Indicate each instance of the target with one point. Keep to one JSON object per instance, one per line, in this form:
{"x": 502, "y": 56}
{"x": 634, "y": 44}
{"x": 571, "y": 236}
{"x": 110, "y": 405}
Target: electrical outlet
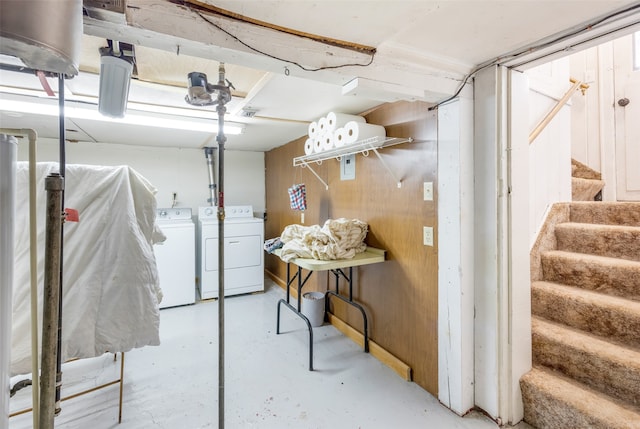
{"x": 427, "y": 234}
{"x": 428, "y": 191}
{"x": 301, "y": 217}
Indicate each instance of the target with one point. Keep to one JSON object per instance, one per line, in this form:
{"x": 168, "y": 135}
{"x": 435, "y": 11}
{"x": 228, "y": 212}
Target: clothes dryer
{"x": 243, "y": 254}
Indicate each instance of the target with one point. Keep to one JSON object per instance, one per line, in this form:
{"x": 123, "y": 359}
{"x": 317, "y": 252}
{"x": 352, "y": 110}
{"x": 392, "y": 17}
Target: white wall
{"x": 502, "y": 329}
{"x": 488, "y": 177}
{"x": 183, "y": 171}
{"x": 455, "y": 255}
{"x": 550, "y": 152}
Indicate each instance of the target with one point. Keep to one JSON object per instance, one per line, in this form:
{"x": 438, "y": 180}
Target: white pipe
{"x": 33, "y": 265}
{"x": 8, "y": 146}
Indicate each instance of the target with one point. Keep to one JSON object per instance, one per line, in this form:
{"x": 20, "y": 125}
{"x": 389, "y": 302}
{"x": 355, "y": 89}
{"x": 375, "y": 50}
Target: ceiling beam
{"x": 179, "y": 28}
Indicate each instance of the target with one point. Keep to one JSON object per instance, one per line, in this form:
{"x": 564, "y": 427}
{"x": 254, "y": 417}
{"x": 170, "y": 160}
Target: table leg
{"x": 301, "y": 283}
{"x": 350, "y": 301}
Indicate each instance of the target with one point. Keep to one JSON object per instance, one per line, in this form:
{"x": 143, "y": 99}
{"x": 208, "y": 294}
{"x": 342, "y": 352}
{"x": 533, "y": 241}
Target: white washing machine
{"x": 176, "y": 257}
{"x": 243, "y": 254}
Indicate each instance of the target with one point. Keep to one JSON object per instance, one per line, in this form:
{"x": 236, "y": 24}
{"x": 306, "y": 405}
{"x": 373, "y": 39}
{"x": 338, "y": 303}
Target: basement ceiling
{"x": 424, "y": 49}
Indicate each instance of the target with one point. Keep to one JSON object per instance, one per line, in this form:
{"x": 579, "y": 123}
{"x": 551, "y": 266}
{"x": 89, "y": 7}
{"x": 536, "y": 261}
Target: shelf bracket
{"x": 398, "y": 181}
{"x": 304, "y": 164}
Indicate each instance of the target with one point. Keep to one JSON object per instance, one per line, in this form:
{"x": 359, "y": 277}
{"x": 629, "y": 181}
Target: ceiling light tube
{"x": 205, "y": 125}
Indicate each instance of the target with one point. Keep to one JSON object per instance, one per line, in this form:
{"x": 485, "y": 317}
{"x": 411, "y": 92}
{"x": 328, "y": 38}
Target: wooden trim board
{"x": 375, "y": 350}
{"x": 277, "y": 280}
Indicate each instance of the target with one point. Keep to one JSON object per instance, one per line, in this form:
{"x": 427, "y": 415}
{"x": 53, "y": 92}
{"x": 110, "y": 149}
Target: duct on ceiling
{"x": 46, "y": 35}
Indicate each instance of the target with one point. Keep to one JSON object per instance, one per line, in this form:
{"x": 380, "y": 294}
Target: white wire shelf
{"x": 362, "y": 146}
{"x": 357, "y": 147}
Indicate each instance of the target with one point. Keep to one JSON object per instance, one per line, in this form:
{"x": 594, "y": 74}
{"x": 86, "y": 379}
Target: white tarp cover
{"x": 110, "y": 281}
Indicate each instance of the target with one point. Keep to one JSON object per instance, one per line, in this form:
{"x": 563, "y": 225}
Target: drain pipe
{"x": 213, "y": 198}
{"x": 54, "y": 185}
{"x": 8, "y": 145}
{"x": 32, "y": 135}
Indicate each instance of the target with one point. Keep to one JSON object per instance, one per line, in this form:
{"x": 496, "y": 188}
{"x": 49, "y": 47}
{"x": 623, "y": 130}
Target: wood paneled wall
{"x": 401, "y": 294}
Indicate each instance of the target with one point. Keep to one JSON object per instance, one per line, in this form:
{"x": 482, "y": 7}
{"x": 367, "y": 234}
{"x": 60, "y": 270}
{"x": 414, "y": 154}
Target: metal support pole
{"x": 221, "y": 139}
{"x": 199, "y": 95}
{"x": 54, "y": 185}
{"x": 62, "y": 168}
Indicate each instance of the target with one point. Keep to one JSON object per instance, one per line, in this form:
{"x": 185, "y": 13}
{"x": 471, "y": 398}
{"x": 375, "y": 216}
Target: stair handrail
{"x": 559, "y": 105}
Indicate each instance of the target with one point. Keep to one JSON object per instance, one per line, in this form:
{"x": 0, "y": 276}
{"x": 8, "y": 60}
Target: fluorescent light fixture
{"x": 115, "y": 78}
{"x": 206, "y": 125}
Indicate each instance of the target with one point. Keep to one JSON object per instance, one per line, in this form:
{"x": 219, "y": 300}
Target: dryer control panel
{"x": 238, "y": 211}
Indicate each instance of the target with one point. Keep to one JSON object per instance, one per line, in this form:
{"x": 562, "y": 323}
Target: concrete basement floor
{"x": 267, "y": 382}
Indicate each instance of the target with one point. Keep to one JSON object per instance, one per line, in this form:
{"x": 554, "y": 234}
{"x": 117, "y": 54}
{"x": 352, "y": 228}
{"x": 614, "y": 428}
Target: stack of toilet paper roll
{"x": 337, "y": 130}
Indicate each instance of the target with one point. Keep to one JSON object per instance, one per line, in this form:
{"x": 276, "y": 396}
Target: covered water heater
{"x": 45, "y": 34}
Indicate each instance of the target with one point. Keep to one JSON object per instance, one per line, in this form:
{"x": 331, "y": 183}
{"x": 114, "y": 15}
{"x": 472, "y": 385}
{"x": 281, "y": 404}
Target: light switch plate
{"x": 427, "y": 234}
{"x": 428, "y": 191}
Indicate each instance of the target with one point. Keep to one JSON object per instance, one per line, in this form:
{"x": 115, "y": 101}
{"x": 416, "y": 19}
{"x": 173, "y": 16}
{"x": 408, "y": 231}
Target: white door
{"x": 627, "y": 115}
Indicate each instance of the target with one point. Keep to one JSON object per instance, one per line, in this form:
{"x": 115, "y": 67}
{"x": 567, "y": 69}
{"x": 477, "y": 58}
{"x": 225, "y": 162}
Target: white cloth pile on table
{"x": 336, "y": 239}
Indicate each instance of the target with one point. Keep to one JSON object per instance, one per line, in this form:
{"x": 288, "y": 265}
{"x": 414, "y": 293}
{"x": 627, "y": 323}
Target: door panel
{"x": 627, "y": 88}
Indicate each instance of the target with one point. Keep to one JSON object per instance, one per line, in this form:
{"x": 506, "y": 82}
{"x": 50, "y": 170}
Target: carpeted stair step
{"x": 552, "y": 401}
{"x": 585, "y": 189}
{"x": 602, "y": 365}
{"x": 612, "y": 276}
{"x": 603, "y": 315}
{"x": 583, "y": 171}
{"x": 615, "y": 241}
{"x": 614, "y": 213}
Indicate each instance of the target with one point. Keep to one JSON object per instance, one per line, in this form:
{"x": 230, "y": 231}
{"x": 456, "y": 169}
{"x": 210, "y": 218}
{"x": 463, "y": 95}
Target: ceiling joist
{"x": 213, "y": 10}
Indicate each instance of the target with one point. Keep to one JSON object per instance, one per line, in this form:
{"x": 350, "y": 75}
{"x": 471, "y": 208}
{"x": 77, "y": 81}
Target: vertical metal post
{"x": 62, "y": 168}
{"x": 221, "y": 139}
{"x": 54, "y": 185}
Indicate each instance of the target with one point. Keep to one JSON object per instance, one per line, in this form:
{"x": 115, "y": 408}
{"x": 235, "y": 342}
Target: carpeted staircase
{"x": 586, "y": 183}
{"x": 586, "y": 319}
